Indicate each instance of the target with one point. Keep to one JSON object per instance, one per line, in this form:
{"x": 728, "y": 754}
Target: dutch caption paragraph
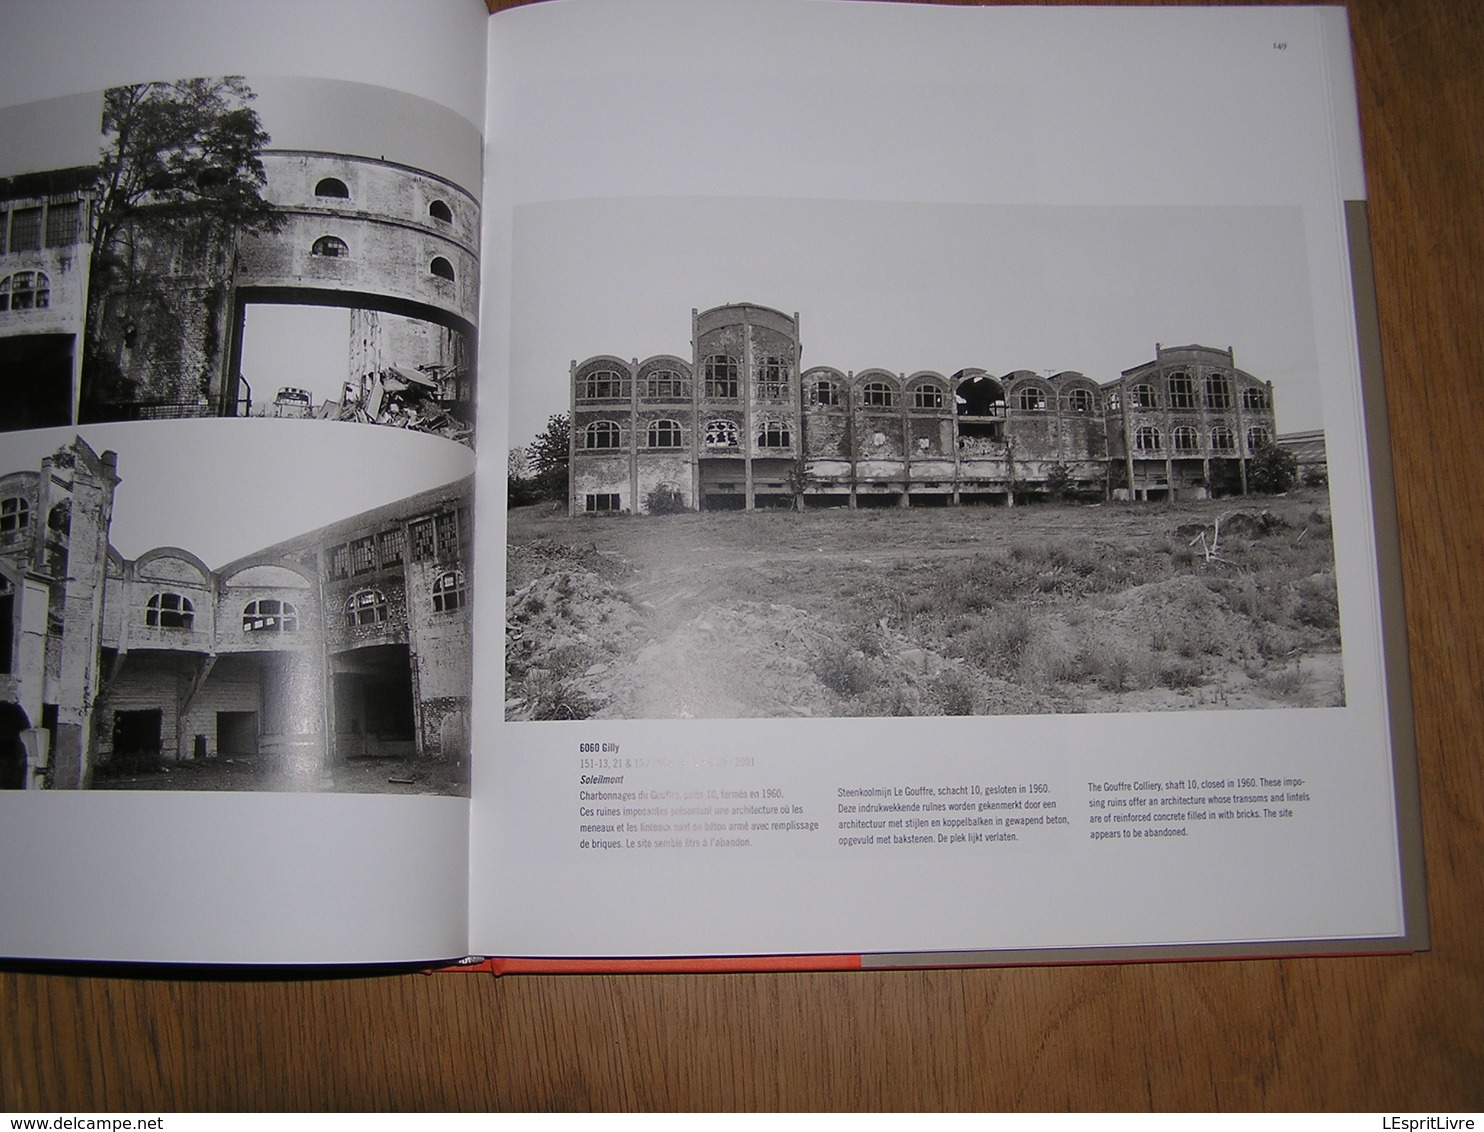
{"x": 1178, "y": 805}
{"x": 944, "y": 815}
{"x": 623, "y": 805}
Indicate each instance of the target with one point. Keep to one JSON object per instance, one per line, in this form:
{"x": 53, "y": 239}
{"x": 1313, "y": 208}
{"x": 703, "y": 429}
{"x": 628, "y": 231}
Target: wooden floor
{"x": 1392, "y": 1034}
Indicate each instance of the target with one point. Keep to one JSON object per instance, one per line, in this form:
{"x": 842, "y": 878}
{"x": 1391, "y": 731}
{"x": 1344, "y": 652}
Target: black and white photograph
{"x": 825, "y": 458}
{"x": 294, "y": 615}
{"x": 233, "y": 247}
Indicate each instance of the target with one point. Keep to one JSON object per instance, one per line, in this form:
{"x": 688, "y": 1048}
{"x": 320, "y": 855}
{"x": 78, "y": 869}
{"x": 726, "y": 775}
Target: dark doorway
{"x": 374, "y": 713}
{"x": 237, "y": 733}
{"x": 13, "y": 721}
{"x": 36, "y": 374}
{"x": 137, "y": 734}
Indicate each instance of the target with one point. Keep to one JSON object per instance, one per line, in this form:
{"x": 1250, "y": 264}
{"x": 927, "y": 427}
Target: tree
{"x": 548, "y": 456}
{"x": 180, "y": 180}
{"x": 1272, "y": 470}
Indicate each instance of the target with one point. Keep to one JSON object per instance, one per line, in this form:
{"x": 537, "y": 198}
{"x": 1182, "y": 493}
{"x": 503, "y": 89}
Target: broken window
{"x": 602, "y": 383}
{"x": 1182, "y": 390}
{"x": 721, "y": 376}
{"x": 824, "y": 393}
{"x": 169, "y": 611}
{"x": 1148, "y": 439}
{"x": 63, "y": 223}
{"x": 721, "y": 434}
{"x": 4, "y": 230}
{"x": 877, "y": 393}
{"x": 446, "y": 531}
{"x": 441, "y": 268}
{"x": 666, "y": 384}
{"x": 332, "y": 187}
{"x": 25, "y": 290}
{"x": 422, "y": 540}
{"x": 438, "y": 210}
{"x": 1142, "y": 397}
{"x": 366, "y": 607}
{"x": 339, "y": 562}
{"x": 1032, "y": 399}
{"x": 1257, "y": 436}
{"x": 665, "y": 434}
{"x": 927, "y": 396}
{"x": 1255, "y": 398}
{"x": 1218, "y": 391}
{"x": 270, "y": 615}
{"x": 362, "y": 556}
{"x": 772, "y": 379}
{"x": 25, "y": 230}
{"x": 1115, "y": 400}
{"x": 1222, "y": 439}
{"x": 15, "y": 515}
{"x": 393, "y": 546}
{"x": 1185, "y": 439}
{"x": 774, "y": 434}
{"x": 330, "y": 247}
{"x": 601, "y": 501}
{"x": 448, "y": 591}
{"x": 603, "y": 434}
{"x": 1080, "y": 400}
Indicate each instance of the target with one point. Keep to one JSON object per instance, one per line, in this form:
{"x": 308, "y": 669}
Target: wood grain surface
{"x": 1394, "y": 1034}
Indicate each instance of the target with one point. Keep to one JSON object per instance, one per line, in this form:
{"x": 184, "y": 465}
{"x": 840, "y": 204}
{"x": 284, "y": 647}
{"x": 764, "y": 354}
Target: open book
{"x": 932, "y": 458}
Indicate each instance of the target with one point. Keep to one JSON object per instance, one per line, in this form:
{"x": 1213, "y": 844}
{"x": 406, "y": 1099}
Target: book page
{"x": 940, "y": 512}
{"x": 238, "y": 323}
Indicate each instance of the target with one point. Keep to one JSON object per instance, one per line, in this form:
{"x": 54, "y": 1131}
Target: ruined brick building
{"x": 741, "y": 423}
{"x": 355, "y": 232}
{"x": 350, "y": 640}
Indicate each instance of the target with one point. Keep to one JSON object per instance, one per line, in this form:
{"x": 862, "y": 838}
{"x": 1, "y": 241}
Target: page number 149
{"x": 1280, "y": 47}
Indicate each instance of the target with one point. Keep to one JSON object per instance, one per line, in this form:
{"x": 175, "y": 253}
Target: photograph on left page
{"x": 237, "y": 341}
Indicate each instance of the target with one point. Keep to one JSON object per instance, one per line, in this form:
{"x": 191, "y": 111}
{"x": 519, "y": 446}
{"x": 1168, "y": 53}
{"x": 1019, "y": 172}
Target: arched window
{"x": 721, "y": 376}
{"x": 332, "y": 187}
{"x": 721, "y": 434}
{"x": 666, "y": 385}
{"x": 331, "y": 247}
{"x": 15, "y": 515}
{"x": 169, "y": 611}
{"x": 927, "y": 396}
{"x": 1257, "y": 436}
{"x": 1032, "y": 399}
{"x": 1182, "y": 390}
{"x": 600, "y": 383}
{"x": 441, "y": 268}
{"x": 365, "y": 607}
{"x": 1186, "y": 439}
{"x": 772, "y": 379}
{"x": 25, "y": 290}
{"x": 1148, "y": 439}
{"x": 1079, "y": 400}
{"x": 269, "y": 615}
{"x": 773, "y": 434}
{"x": 1115, "y": 401}
{"x": 448, "y": 591}
{"x": 440, "y": 211}
{"x": 1142, "y": 397}
{"x": 1222, "y": 439}
{"x": 1255, "y": 398}
{"x": 877, "y": 393}
{"x": 604, "y": 434}
{"x": 665, "y": 434}
{"x": 824, "y": 393}
{"x": 1218, "y": 391}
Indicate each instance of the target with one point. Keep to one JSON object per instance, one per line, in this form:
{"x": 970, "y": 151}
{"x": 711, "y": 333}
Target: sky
{"x": 910, "y": 286}
{"x": 225, "y": 488}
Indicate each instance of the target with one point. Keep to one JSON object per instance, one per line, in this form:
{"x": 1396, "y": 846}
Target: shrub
{"x": 843, "y": 670}
{"x": 664, "y": 500}
{"x": 1272, "y": 469}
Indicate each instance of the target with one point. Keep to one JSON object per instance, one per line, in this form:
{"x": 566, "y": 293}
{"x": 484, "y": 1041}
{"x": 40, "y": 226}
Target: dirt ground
{"x": 353, "y": 776}
{"x": 973, "y": 610}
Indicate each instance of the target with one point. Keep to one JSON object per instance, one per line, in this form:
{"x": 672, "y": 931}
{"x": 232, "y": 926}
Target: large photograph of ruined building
{"x": 745, "y": 534}
{"x": 153, "y": 284}
{"x": 336, "y": 660}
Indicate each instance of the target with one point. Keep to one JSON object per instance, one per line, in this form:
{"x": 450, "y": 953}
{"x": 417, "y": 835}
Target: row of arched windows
{"x": 333, "y": 247}
{"x": 1181, "y": 394}
{"x": 1183, "y": 438}
{"x": 270, "y": 615}
{"x": 333, "y": 188}
{"x": 670, "y": 434}
{"x": 927, "y": 395}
